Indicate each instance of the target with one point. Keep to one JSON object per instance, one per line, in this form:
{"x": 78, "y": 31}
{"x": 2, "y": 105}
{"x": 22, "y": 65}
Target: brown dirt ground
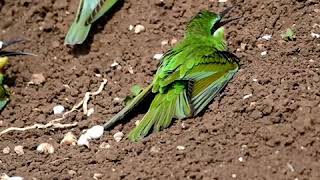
{"x": 276, "y": 131}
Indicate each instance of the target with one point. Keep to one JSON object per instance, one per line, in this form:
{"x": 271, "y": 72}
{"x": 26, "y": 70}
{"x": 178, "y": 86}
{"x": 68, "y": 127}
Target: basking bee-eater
{"x": 4, "y": 94}
{"x": 189, "y": 76}
{"x": 88, "y": 12}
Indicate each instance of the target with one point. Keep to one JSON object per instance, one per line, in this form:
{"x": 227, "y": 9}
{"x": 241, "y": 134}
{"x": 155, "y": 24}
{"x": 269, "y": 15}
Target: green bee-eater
{"x": 4, "y": 94}
{"x": 88, "y": 12}
{"x": 189, "y": 76}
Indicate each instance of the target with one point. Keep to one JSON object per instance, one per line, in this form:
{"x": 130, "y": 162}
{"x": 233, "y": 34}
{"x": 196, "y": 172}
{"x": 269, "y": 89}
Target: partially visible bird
{"x": 189, "y": 76}
{"x": 4, "y": 93}
{"x": 88, "y": 12}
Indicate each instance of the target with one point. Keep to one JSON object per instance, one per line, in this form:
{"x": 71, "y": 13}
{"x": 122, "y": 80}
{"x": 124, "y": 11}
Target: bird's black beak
{"x": 4, "y": 44}
{"x": 223, "y": 13}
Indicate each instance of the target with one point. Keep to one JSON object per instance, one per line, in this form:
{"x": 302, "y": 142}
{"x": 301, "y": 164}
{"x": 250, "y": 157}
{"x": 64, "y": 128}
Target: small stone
{"x": 222, "y": 1}
{"x": 37, "y": 79}
{"x": 95, "y": 132}
{"x": 118, "y": 136}
{"x": 72, "y": 172}
{"x": 59, "y": 109}
{"x": 255, "y": 80}
{"x": 130, "y": 69}
{"x": 247, "y": 96}
{"x": 97, "y": 176}
{"x": 234, "y": 176}
{"x": 19, "y": 150}
{"x": 45, "y": 148}
{"x": 90, "y": 112}
{"x": 114, "y": 64}
{"x": 315, "y": 35}
{"x": 131, "y": 27}
{"x": 264, "y": 53}
{"x": 158, "y": 56}
{"x": 69, "y": 139}
{"x": 164, "y": 42}
{"x": 83, "y": 140}
{"x": 6, "y": 150}
{"x": 155, "y": 149}
{"x": 240, "y": 159}
{"x": 139, "y": 28}
{"x": 6, "y": 177}
{"x": 104, "y": 145}
{"x": 266, "y": 37}
{"x": 173, "y": 41}
{"x": 180, "y": 148}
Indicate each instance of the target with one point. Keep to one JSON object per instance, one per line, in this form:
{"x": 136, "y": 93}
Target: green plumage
{"x": 88, "y": 12}
{"x": 189, "y": 76}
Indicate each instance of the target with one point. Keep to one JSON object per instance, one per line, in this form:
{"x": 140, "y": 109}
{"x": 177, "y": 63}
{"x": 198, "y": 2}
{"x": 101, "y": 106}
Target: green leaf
{"x": 289, "y": 35}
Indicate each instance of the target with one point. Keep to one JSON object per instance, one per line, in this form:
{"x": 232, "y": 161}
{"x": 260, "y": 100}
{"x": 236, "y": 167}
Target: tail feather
{"x": 128, "y": 108}
{"x": 162, "y": 110}
{"x": 77, "y": 33}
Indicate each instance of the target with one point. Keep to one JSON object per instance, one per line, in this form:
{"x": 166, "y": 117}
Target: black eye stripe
{"x": 215, "y": 26}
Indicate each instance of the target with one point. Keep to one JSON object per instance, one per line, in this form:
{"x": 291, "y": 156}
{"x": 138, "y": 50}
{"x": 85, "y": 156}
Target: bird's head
{"x": 209, "y": 24}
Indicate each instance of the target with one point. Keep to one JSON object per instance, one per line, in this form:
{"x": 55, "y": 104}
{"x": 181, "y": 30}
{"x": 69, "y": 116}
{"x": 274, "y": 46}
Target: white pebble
{"x": 69, "y": 139}
{"x": 173, "y": 41}
{"x": 315, "y": 35}
{"x": 131, "y": 27}
{"x": 59, "y": 109}
{"x": 139, "y": 28}
{"x": 6, "y": 177}
{"x": 180, "y": 148}
{"x": 45, "y": 148}
{"x": 158, "y": 56}
{"x": 130, "y": 69}
{"x": 90, "y": 112}
{"x": 247, "y": 96}
{"x": 164, "y": 42}
{"x": 240, "y": 159}
{"x": 19, "y": 150}
{"x": 266, "y": 37}
{"x": 222, "y": 1}
{"x": 1, "y": 44}
{"x": 83, "y": 140}
{"x": 97, "y": 176}
{"x": 114, "y": 64}
{"x": 118, "y": 136}
{"x": 95, "y": 132}
{"x": 104, "y": 145}
{"x": 264, "y": 53}
{"x": 6, "y": 150}
{"x": 234, "y": 176}
{"x": 255, "y": 80}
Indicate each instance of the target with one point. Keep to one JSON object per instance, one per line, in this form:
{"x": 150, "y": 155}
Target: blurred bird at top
{"x": 4, "y": 93}
{"x": 189, "y": 76}
{"x": 88, "y": 12}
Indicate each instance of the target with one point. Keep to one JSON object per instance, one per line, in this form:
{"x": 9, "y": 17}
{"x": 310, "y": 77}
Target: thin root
{"x": 55, "y": 122}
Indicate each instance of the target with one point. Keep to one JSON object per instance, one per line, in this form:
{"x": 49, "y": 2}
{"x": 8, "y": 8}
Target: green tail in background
{"x": 189, "y": 77}
{"x": 88, "y": 12}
